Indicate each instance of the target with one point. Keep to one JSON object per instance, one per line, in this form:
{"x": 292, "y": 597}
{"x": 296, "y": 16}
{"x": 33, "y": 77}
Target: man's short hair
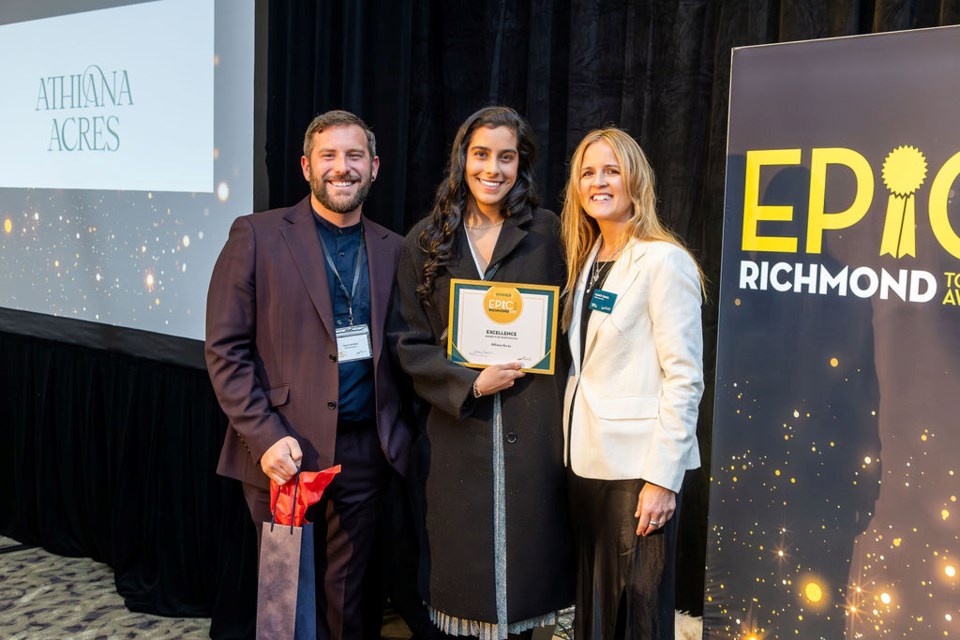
{"x": 337, "y": 118}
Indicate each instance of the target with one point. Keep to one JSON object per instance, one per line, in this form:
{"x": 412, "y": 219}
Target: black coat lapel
{"x": 463, "y": 265}
{"x": 511, "y": 235}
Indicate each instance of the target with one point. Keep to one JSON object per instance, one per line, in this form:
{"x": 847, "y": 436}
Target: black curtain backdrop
{"x": 112, "y": 457}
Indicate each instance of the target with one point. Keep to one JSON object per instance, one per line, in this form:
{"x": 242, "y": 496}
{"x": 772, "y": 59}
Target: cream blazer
{"x": 630, "y": 409}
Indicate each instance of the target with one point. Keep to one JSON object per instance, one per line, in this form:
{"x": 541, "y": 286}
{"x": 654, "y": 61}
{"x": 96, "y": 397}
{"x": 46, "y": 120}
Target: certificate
{"x": 498, "y": 322}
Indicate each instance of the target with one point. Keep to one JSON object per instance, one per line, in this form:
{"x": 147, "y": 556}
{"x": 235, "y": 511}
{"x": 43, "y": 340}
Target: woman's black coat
{"x": 458, "y": 577}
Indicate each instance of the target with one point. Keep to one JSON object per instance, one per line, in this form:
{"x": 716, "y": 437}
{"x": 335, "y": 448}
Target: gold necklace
{"x": 482, "y": 227}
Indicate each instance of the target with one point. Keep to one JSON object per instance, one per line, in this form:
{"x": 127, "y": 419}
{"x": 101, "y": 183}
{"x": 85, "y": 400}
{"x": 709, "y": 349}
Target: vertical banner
{"x": 836, "y": 438}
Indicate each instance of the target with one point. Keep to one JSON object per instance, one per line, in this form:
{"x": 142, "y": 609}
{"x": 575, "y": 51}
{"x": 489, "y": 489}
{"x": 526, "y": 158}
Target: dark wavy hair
{"x": 438, "y": 238}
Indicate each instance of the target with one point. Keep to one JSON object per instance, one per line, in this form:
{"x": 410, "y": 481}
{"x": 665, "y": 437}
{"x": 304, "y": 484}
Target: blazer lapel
{"x": 623, "y": 275}
{"x": 381, "y": 282}
{"x": 301, "y": 238}
{"x": 576, "y": 326}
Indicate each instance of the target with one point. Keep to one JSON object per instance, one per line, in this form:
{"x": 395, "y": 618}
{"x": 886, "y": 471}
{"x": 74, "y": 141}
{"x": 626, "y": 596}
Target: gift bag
{"x": 287, "y": 590}
{"x": 287, "y": 587}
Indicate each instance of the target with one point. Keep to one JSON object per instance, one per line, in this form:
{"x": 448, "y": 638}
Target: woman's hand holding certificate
{"x": 497, "y": 377}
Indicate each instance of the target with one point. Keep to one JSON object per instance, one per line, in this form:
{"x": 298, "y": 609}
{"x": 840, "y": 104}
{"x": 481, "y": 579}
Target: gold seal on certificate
{"x": 498, "y": 322}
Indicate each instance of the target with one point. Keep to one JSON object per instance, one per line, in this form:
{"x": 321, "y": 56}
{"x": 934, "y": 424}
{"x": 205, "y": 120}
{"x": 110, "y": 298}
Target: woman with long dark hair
{"x": 498, "y": 558}
{"x": 632, "y": 396}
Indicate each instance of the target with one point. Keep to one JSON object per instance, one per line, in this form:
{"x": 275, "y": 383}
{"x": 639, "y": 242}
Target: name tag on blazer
{"x": 603, "y": 301}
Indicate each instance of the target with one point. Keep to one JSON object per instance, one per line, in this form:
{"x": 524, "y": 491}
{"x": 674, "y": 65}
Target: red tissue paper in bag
{"x": 309, "y": 487}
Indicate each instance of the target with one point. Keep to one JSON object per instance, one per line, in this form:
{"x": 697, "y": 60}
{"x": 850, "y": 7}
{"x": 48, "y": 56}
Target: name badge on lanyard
{"x": 353, "y": 343}
{"x": 603, "y": 301}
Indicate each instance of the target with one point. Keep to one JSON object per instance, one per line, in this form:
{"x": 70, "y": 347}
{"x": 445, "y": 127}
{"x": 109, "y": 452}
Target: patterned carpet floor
{"x": 49, "y": 597}
{"x": 44, "y": 596}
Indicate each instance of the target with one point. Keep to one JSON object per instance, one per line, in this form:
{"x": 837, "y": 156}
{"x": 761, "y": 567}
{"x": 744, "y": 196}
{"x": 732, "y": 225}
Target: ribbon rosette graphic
{"x": 904, "y": 170}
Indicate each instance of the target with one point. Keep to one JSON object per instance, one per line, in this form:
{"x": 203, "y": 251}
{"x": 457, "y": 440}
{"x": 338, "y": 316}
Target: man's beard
{"x": 340, "y": 205}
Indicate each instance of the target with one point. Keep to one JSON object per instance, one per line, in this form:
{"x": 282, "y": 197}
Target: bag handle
{"x": 273, "y": 512}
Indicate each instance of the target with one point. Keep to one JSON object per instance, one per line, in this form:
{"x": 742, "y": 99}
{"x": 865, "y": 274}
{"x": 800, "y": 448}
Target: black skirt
{"x": 625, "y": 582}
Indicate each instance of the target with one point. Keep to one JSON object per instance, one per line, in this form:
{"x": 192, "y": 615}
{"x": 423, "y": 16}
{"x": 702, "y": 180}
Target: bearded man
{"x": 295, "y": 351}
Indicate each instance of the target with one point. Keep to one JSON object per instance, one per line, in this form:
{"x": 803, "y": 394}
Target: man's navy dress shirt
{"x": 356, "y": 378}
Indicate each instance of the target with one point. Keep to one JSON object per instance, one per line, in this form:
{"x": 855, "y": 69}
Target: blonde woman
{"x": 633, "y": 390}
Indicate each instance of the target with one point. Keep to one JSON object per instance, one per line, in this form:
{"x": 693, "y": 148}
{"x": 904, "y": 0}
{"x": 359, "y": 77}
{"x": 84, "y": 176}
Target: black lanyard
{"x": 356, "y": 272}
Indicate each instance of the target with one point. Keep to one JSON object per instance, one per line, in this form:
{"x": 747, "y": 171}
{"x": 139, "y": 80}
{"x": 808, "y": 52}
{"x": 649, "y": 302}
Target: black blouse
{"x": 598, "y": 275}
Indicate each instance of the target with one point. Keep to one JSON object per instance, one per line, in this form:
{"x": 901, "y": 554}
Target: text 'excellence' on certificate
{"x": 498, "y": 322}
